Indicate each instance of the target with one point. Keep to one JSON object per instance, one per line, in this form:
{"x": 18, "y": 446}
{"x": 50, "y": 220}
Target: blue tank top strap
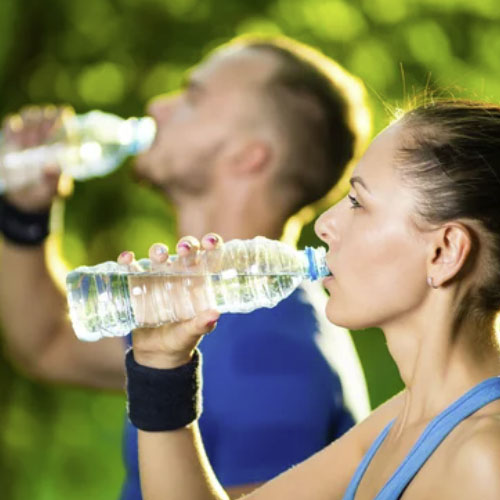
{"x": 435, "y": 432}
{"x": 360, "y": 471}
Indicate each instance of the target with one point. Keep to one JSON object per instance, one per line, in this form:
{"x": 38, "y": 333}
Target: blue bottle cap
{"x": 317, "y": 263}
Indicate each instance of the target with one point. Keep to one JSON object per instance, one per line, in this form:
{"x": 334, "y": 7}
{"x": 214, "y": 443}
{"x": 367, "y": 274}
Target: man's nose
{"x": 160, "y": 107}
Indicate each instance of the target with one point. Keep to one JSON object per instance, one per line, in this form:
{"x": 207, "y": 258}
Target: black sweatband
{"x": 23, "y": 228}
{"x": 163, "y": 399}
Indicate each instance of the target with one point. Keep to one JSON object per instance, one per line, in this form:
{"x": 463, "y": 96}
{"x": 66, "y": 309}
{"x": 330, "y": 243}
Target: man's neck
{"x": 229, "y": 220}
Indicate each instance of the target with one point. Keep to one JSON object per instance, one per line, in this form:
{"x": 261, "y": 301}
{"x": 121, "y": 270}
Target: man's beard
{"x": 193, "y": 184}
{"x": 192, "y": 180}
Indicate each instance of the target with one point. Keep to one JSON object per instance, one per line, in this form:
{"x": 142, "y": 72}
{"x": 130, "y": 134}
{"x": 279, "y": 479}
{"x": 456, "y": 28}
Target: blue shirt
{"x": 270, "y": 398}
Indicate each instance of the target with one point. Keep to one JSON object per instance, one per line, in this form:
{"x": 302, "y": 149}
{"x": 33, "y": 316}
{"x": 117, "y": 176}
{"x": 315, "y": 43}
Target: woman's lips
{"x": 327, "y": 280}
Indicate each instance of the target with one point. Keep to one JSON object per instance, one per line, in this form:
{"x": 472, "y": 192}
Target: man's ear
{"x": 250, "y": 157}
{"x": 450, "y": 247}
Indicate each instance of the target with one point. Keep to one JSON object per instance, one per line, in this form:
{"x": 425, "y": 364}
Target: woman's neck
{"x": 439, "y": 362}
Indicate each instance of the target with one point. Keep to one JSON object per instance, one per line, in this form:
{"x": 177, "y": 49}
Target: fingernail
{"x": 160, "y": 250}
{"x": 184, "y": 244}
{"x": 212, "y": 239}
{"x": 212, "y": 324}
{"x": 124, "y": 254}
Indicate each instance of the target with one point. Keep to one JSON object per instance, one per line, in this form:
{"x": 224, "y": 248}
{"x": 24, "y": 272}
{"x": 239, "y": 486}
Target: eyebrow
{"x": 190, "y": 83}
{"x": 359, "y": 180}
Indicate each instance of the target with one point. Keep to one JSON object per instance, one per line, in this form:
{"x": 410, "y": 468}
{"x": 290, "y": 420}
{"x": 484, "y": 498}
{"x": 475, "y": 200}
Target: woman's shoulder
{"x": 481, "y": 431}
{"x": 474, "y": 458}
{"x": 327, "y": 473}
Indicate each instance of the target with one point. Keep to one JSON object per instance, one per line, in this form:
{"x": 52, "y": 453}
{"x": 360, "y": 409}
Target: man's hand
{"x": 33, "y": 126}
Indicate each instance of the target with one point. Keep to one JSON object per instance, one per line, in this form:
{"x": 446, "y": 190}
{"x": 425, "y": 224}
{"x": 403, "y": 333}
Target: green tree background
{"x": 61, "y": 442}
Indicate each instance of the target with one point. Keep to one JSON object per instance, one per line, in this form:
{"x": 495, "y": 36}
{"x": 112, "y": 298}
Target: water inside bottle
{"x": 112, "y": 304}
{"x": 99, "y": 304}
{"x": 109, "y": 299}
{"x": 88, "y": 145}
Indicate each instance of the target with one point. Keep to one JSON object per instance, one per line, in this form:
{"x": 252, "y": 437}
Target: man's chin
{"x": 141, "y": 177}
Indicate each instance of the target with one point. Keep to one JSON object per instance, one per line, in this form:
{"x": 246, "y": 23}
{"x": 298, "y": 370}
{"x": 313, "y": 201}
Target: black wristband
{"x": 23, "y": 228}
{"x": 160, "y": 399}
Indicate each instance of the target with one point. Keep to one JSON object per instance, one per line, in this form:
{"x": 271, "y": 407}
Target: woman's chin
{"x": 343, "y": 319}
{"x": 334, "y": 316}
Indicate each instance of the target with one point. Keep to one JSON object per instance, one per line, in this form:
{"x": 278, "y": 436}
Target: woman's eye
{"x": 354, "y": 202}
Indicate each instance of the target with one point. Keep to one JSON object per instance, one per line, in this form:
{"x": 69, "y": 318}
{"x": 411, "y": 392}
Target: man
{"x": 262, "y": 129}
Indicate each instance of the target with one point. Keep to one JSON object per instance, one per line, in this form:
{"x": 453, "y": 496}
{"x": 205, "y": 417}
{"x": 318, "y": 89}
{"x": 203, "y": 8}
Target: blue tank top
{"x": 437, "y": 429}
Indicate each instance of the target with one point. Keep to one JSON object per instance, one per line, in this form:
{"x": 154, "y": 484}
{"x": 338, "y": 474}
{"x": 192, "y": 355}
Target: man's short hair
{"x": 320, "y": 109}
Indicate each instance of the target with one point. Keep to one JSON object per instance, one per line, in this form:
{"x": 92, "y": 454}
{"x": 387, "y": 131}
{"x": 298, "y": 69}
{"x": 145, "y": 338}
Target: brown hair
{"x": 452, "y": 158}
{"x": 320, "y": 109}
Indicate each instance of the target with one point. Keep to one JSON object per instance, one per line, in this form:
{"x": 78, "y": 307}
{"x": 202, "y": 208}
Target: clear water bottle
{"x": 87, "y": 145}
{"x": 108, "y": 300}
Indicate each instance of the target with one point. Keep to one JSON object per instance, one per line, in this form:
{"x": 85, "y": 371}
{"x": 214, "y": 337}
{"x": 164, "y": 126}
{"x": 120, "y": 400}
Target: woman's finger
{"x": 187, "y": 250}
{"x": 127, "y": 259}
{"x": 211, "y": 241}
{"x": 158, "y": 254}
{"x": 201, "y": 324}
{"x": 187, "y": 245}
{"x": 158, "y": 251}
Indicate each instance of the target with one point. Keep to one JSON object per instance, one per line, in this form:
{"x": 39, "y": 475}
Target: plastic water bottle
{"x": 108, "y": 300}
{"x": 88, "y": 145}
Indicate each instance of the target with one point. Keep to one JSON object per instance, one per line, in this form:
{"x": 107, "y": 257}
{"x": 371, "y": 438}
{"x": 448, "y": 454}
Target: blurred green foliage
{"x": 114, "y": 55}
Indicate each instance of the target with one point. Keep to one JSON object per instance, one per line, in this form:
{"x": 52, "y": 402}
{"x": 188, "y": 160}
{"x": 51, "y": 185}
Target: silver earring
{"x": 430, "y": 282}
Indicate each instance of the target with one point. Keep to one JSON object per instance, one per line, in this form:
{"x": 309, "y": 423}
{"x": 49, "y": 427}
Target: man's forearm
{"x": 32, "y": 308}
{"x": 38, "y": 333}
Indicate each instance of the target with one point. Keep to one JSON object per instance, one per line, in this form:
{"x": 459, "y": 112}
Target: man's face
{"x": 198, "y": 124}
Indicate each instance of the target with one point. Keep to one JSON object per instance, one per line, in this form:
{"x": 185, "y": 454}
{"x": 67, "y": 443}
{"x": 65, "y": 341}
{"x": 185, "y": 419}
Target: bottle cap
{"x": 317, "y": 263}
{"x": 144, "y": 131}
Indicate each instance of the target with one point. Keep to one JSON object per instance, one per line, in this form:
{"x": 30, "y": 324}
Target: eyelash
{"x": 354, "y": 202}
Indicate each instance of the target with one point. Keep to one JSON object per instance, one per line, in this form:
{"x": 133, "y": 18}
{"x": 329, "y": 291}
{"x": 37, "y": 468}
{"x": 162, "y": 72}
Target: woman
{"x": 414, "y": 249}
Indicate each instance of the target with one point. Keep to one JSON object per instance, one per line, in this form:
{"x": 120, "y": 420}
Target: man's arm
{"x": 37, "y": 332}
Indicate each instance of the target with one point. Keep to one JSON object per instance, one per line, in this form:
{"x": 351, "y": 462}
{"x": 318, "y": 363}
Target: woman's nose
{"x": 325, "y": 227}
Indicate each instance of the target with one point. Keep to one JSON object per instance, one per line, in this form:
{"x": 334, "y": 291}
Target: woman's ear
{"x": 450, "y": 248}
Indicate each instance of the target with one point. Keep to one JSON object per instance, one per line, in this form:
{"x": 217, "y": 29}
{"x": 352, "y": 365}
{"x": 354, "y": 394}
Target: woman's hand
{"x": 169, "y": 345}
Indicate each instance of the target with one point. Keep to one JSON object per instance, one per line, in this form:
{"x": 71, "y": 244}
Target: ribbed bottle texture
{"x": 88, "y": 145}
{"x": 108, "y": 300}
